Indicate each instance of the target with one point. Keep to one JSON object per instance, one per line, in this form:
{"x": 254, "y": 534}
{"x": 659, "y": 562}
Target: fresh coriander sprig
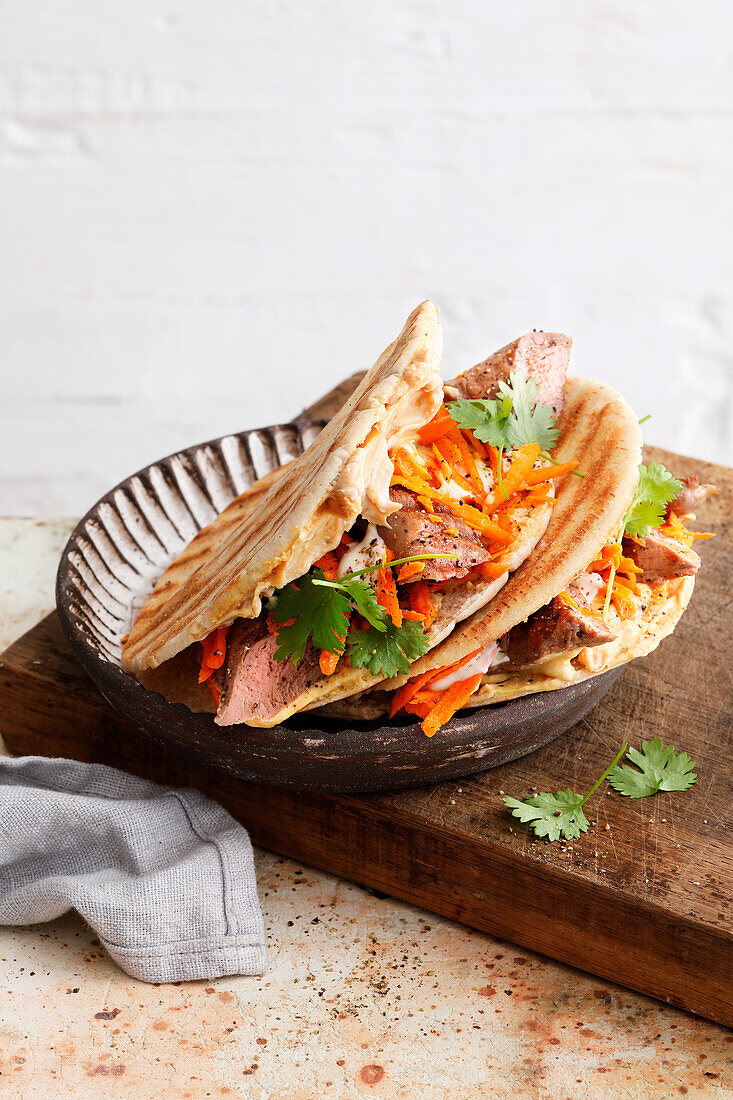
{"x": 514, "y": 418}
{"x": 559, "y": 814}
{"x": 662, "y": 769}
{"x": 303, "y": 610}
{"x": 656, "y": 489}
{"x": 314, "y": 607}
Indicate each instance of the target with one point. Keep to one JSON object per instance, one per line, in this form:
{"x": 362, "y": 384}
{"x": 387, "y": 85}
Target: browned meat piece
{"x": 661, "y": 557}
{"x": 555, "y": 628}
{"x": 404, "y": 498}
{"x": 692, "y": 496}
{"x": 407, "y": 501}
{"x": 414, "y": 532}
{"x": 543, "y": 356}
{"x": 255, "y": 684}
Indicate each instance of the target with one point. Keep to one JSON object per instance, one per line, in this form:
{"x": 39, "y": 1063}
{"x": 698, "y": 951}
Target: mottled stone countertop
{"x": 363, "y": 995}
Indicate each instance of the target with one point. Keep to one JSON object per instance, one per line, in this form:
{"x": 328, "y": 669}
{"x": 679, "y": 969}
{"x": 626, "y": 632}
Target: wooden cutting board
{"x": 644, "y": 899}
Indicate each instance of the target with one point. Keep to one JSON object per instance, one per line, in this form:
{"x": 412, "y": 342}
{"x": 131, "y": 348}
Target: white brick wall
{"x": 212, "y": 211}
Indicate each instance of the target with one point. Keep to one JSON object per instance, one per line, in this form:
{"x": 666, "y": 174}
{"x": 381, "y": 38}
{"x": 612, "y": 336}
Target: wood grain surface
{"x": 645, "y": 898}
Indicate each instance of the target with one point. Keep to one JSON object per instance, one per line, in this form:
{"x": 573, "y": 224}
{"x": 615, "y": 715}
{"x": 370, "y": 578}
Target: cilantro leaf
{"x": 531, "y": 421}
{"x": 656, "y": 488}
{"x": 559, "y": 814}
{"x": 515, "y": 417}
{"x": 552, "y": 815}
{"x": 389, "y": 652}
{"x": 320, "y": 611}
{"x": 662, "y": 769}
{"x": 486, "y": 419}
{"x": 315, "y": 607}
{"x": 364, "y": 599}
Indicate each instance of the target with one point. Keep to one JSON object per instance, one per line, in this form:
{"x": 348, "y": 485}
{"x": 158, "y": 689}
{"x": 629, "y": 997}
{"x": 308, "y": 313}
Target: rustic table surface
{"x": 363, "y": 994}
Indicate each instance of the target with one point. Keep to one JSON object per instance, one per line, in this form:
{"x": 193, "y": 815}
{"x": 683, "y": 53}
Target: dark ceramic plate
{"x": 123, "y": 544}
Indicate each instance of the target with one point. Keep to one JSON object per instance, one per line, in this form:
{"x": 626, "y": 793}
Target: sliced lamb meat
{"x": 408, "y": 503}
{"x": 543, "y": 356}
{"x": 404, "y": 498}
{"x": 255, "y": 684}
{"x": 661, "y": 557}
{"x": 692, "y": 496}
{"x": 555, "y": 628}
{"x": 414, "y": 532}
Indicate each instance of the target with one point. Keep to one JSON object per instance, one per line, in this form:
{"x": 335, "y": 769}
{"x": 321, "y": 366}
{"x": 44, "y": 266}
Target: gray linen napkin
{"x": 165, "y": 877}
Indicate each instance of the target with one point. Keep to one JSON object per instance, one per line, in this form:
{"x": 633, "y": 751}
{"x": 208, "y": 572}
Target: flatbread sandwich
{"x": 438, "y": 546}
{"x": 345, "y": 567}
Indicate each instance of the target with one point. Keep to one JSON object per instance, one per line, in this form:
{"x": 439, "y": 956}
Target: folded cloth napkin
{"x": 165, "y": 877}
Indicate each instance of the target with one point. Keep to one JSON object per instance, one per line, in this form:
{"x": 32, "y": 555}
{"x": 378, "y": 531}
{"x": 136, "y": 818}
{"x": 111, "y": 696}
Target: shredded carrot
{"x": 493, "y": 457}
{"x": 623, "y": 601}
{"x": 387, "y": 592}
{"x": 407, "y": 692}
{"x": 409, "y": 570}
{"x": 477, "y": 519}
{"x": 457, "y": 477}
{"x": 328, "y": 662}
{"x": 329, "y": 563}
{"x": 418, "y": 599}
{"x": 566, "y": 598}
{"x": 610, "y": 555}
{"x": 442, "y": 462}
{"x": 675, "y": 529}
{"x": 490, "y": 570}
{"x": 451, "y": 456}
{"x": 439, "y": 425}
{"x": 404, "y": 694}
{"x": 547, "y": 473}
{"x": 626, "y": 582}
{"x": 413, "y": 616}
{"x": 447, "y": 448}
{"x": 457, "y": 437}
{"x": 215, "y": 648}
{"x": 523, "y": 461}
{"x": 480, "y": 448}
{"x": 628, "y": 565}
{"x": 413, "y": 466}
{"x": 450, "y": 701}
{"x": 422, "y": 703}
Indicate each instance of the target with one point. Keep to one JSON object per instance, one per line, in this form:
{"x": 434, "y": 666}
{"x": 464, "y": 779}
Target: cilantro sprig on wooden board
{"x": 661, "y": 769}
{"x": 514, "y": 418}
{"x": 561, "y": 814}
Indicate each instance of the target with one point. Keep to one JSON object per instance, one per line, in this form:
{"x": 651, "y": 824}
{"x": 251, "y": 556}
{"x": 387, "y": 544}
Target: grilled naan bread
{"x": 238, "y": 560}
